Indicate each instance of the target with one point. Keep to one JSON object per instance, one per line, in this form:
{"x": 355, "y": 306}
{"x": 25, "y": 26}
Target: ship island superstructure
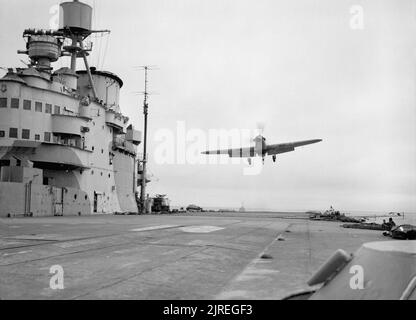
{"x": 65, "y": 146}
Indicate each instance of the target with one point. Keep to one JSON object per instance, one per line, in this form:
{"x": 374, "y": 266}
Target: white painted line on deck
{"x": 200, "y": 229}
{"x": 13, "y": 253}
{"x": 251, "y": 273}
{"x": 165, "y": 226}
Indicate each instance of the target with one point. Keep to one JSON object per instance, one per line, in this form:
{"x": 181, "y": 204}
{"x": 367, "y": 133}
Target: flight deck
{"x": 230, "y": 255}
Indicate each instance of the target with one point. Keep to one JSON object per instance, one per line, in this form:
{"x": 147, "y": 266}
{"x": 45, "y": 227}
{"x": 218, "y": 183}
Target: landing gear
{"x": 262, "y": 159}
{"x": 274, "y": 158}
{"x": 249, "y": 161}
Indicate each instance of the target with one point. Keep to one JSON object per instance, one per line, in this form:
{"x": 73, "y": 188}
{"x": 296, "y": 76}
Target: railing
{"x": 73, "y": 142}
{"x": 114, "y": 119}
{"x": 124, "y": 145}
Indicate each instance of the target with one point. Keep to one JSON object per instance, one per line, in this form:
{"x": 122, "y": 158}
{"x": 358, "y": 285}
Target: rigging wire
{"x": 105, "y": 50}
{"x": 94, "y": 37}
{"x": 96, "y": 11}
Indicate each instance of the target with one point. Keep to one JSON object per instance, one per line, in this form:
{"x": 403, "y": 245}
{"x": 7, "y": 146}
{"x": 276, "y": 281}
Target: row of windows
{"x": 47, "y": 137}
{"x": 27, "y": 105}
{"x": 14, "y": 133}
{"x": 25, "y": 134}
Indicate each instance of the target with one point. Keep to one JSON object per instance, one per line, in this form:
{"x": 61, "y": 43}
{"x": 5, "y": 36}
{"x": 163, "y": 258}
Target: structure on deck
{"x": 65, "y": 146}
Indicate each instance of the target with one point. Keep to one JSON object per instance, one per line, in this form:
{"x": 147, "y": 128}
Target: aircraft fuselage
{"x": 260, "y": 146}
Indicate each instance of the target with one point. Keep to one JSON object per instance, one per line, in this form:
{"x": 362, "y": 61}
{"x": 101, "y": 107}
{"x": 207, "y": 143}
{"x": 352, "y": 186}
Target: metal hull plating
{"x": 96, "y": 176}
{"x": 65, "y": 147}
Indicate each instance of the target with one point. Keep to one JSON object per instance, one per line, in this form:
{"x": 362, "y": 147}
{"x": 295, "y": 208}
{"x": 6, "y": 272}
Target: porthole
{"x": 75, "y": 196}
{"x": 86, "y": 197}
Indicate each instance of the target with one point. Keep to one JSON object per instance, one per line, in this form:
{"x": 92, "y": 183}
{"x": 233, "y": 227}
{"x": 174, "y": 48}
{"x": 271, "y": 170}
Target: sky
{"x": 342, "y": 71}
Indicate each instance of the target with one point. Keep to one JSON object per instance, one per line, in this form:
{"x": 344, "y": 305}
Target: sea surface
{"x": 371, "y": 216}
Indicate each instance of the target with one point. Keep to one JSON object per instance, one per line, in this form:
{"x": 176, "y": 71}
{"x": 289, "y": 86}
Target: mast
{"x": 144, "y": 161}
{"x": 77, "y": 26}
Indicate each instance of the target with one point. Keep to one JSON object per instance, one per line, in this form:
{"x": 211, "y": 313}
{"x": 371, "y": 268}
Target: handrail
{"x": 125, "y": 145}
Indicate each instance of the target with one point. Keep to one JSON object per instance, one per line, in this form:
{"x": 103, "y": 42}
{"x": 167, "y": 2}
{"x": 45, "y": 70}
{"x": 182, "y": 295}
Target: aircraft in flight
{"x": 261, "y": 148}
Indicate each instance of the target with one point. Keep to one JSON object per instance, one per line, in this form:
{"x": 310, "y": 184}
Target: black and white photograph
{"x": 207, "y": 154}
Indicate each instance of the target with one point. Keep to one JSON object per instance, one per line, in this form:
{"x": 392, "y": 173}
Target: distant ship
{"x": 65, "y": 147}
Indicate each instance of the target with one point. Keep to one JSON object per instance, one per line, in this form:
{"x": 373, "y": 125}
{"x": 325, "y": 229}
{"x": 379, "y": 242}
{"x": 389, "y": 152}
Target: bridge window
{"x": 25, "y": 134}
{"x": 37, "y": 136}
{"x": 2, "y": 133}
{"x": 3, "y": 102}
{"x": 14, "y": 103}
{"x": 27, "y": 104}
{"x": 38, "y": 106}
{"x": 13, "y": 133}
{"x": 47, "y": 136}
{"x": 48, "y": 108}
{"x": 57, "y": 110}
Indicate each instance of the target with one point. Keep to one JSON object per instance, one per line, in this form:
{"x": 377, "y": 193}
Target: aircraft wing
{"x": 287, "y": 147}
{"x": 238, "y": 152}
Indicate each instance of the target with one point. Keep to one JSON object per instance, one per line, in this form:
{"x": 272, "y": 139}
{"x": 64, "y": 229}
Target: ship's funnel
{"x": 76, "y": 17}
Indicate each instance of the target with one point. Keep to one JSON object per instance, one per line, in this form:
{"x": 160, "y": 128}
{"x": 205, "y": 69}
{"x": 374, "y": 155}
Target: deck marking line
{"x": 165, "y": 226}
{"x": 246, "y": 274}
{"x": 13, "y": 253}
{"x": 200, "y": 229}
